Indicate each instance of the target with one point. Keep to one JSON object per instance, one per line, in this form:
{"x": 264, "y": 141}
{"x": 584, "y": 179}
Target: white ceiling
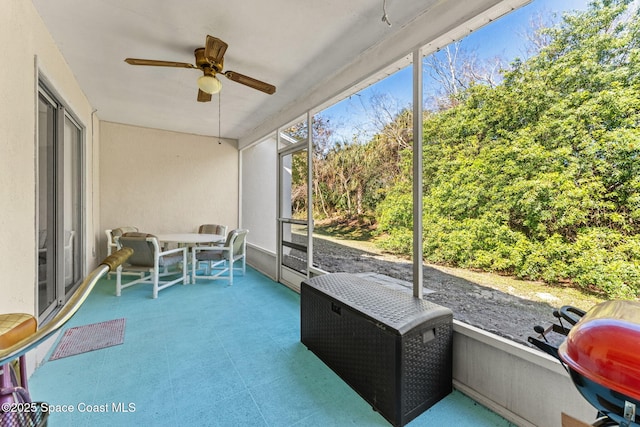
{"x": 292, "y": 44}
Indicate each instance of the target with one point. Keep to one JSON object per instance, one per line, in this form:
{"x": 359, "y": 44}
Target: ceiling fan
{"x": 209, "y": 59}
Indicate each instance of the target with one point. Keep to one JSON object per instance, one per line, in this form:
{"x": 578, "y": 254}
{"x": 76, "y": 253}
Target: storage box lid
{"x": 392, "y": 309}
{"x": 604, "y": 346}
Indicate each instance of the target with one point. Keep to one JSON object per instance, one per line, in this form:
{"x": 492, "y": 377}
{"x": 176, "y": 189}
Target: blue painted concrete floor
{"x": 211, "y": 354}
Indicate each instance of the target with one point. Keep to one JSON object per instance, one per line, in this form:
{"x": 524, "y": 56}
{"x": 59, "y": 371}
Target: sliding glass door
{"x": 59, "y": 197}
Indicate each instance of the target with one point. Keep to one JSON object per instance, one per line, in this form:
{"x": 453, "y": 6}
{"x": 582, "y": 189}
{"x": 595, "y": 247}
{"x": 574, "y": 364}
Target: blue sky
{"x": 354, "y": 113}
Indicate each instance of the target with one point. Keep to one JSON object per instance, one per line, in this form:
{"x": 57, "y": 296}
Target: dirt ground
{"x": 490, "y": 309}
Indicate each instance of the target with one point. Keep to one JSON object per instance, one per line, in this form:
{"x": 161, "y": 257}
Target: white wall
{"x": 163, "y": 182}
{"x": 259, "y": 193}
{"x": 24, "y": 38}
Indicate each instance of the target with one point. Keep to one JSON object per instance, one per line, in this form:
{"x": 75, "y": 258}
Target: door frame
{"x": 285, "y": 275}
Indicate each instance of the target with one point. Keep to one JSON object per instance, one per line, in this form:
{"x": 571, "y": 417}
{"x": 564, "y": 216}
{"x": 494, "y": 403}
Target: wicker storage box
{"x": 391, "y": 348}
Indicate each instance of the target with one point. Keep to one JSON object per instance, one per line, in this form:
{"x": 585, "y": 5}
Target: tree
{"x": 351, "y": 177}
{"x": 539, "y": 175}
{"x": 536, "y": 33}
{"x": 453, "y": 70}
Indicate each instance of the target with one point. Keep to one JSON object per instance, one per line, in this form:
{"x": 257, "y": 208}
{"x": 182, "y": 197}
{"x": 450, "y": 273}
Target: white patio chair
{"x": 116, "y": 232}
{"x": 213, "y": 229}
{"x": 149, "y": 260}
{"x": 112, "y": 245}
{"x": 221, "y": 259}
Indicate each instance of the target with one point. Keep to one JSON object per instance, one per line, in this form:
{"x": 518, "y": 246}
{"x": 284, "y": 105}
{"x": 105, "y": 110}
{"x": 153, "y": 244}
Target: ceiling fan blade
{"x": 251, "y": 82}
{"x": 214, "y": 50}
{"x": 153, "y": 62}
{"x": 203, "y": 96}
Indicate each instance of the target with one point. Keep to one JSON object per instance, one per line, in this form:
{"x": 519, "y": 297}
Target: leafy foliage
{"x": 350, "y": 178}
{"x": 537, "y": 176}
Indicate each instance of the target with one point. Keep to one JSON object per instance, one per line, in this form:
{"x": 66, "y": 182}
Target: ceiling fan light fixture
{"x": 210, "y": 60}
{"x": 209, "y": 84}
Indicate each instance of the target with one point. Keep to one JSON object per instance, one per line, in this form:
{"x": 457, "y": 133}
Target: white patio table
{"x": 190, "y": 239}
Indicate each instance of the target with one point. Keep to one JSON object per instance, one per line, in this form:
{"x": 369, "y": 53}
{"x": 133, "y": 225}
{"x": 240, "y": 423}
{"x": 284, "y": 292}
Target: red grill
{"x": 602, "y": 354}
{"x": 601, "y": 351}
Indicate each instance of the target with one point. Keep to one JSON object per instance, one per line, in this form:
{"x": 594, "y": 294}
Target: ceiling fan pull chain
{"x": 219, "y": 115}
{"x": 385, "y": 18}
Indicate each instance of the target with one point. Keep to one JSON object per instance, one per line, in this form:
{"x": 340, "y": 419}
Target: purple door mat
{"x": 95, "y": 336}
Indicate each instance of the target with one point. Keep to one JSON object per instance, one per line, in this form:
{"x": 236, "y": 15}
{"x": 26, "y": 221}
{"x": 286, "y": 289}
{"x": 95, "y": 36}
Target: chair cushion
{"x": 117, "y": 232}
{"x": 238, "y": 243}
{"x": 137, "y": 234}
{"x": 212, "y": 229}
{"x": 171, "y": 259}
{"x": 210, "y": 255}
{"x": 143, "y": 251}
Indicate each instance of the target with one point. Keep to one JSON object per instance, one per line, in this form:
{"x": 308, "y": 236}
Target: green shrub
{"x": 538, "y": 176}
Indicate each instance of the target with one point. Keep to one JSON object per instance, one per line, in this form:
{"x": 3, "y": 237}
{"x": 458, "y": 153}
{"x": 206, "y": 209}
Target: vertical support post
{"x": 278, "y": 205}
{"x": 309, "y": 193}
{"x": 417, "y": 174}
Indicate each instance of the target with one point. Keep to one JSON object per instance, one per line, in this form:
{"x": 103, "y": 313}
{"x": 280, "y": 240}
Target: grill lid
{"x": 604, "y": 346}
